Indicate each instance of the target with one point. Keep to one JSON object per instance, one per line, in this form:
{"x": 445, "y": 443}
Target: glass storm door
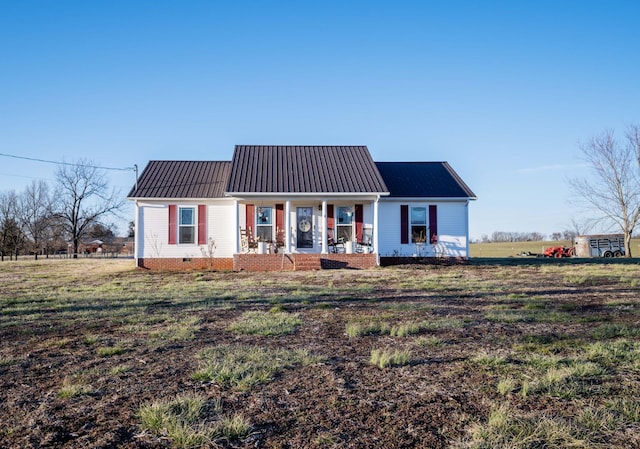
{"x": 304, "y": 227}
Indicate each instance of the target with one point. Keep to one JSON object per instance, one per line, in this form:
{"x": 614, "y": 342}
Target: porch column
{"x": 375, "y": 229}
{"x": 323, "y": 233}
{"x": 287, "y": 227}
{"x": 236, "y": 228}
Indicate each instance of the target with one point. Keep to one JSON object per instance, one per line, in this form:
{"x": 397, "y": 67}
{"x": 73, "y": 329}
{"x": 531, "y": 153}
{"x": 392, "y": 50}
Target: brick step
{"x": 306, "y": 263}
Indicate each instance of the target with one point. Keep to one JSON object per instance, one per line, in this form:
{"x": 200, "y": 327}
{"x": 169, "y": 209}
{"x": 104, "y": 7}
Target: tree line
{"x": 502, "y": 236}
{"x": 44, "y": 219}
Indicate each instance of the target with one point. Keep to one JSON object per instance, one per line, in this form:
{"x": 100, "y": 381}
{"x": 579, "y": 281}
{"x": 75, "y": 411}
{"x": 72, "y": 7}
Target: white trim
{"x": 136, "y": 228}
{"x": 236, "y": 231}
{"x": 174, "y": 199}
{"x": 375, "y": 231}
{"x": 423, "y": 199}
{"x": 287, "y": 226}
{"x": 466, "y": 215}
{"x": 312, "y": 195}
{"x": 323, "y": 233}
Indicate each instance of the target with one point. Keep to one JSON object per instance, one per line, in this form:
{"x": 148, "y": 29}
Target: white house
{"x": 298, "y": 207}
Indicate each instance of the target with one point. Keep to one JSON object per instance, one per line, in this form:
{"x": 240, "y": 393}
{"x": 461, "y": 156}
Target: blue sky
{"x": 503, "y": 91}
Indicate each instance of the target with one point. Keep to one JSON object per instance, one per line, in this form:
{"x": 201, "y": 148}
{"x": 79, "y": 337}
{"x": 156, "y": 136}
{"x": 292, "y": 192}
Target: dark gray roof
{"x": 304, "y": 169}
{"x": 182, "y": 179}
{"x": 423, "y": 180}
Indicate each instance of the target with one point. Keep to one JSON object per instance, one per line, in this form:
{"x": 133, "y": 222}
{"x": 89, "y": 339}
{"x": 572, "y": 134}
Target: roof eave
{"x": 303, "y": 194}
{"x": 432, "y": 198}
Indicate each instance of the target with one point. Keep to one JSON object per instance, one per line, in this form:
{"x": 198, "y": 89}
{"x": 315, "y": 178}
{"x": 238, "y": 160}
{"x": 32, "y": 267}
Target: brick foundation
{"x": 194, "y": 263}
{"x": 264, "y": 262}
{"x": 302, "y": 262}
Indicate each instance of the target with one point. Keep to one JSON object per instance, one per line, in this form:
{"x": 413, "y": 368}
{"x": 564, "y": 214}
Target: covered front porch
{"x": 331, "y": 227}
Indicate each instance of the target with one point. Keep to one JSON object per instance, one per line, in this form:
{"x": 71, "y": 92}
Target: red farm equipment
{"x": 560, "y": 251}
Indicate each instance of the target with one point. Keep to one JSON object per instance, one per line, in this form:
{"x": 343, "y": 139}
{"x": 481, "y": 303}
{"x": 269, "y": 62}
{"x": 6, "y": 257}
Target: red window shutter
{"x": 249, "y": 212}
{"x": 280, "y": 217}
{"x": 404, "y": 223}
{"x": 173, "y": 224}
{"x": 433, "y": 224}
{"x": 202, "y": 224}
{"x": 359, "y": 212}
{"x": 330, "y": 220}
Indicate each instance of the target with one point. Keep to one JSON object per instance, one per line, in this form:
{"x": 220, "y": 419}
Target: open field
{"x": 94, "y": 353}
{"x": 510, "y": 249}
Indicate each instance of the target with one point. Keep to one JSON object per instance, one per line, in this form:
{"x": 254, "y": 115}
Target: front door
{"x": 304, "y": 228}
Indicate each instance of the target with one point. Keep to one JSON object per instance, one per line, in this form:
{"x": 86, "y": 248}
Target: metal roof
{"x": 304, "y": 169}
{"x": 423, "y": 180}
{"x": 182, "y": 179}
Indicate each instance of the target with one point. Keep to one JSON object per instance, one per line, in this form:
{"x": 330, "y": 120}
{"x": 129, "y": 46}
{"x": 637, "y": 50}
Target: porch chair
{"x": 366, "y": 240}
{"x": 333, "y": 243}
{"x": 247, "y": 243}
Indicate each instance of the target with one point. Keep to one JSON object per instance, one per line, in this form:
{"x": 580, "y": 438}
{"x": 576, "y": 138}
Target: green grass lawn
{"x": 511, "y": 249}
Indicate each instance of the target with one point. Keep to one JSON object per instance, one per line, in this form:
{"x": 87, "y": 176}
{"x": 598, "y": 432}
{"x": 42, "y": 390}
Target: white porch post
{"x": 375, "y": 229}
{"x": 236, "y": 228}
{"x": 287, "y": 227}
{"x": 323, "y": 233}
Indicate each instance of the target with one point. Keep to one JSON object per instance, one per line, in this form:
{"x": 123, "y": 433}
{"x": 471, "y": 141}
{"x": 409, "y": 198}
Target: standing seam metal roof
{"x": 423, "y": 180}
{"x": 299, "y": 169}
{"x": 182, "y": 179}
{"x": 304, "y": 169}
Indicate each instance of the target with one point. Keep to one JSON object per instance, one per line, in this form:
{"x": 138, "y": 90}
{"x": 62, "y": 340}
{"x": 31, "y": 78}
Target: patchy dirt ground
{"x": 57, "y": 318}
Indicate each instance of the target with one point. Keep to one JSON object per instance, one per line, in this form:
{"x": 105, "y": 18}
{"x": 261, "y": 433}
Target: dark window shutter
{"x": 433, "y": 224}
{"x": 330, "y": 220}
{"x": 359, "y": 216}
{"x": 202, "y": 224}
{"x": 249, "y": 212}
{"x": 173, "y": 224}
{"x": 280, "y": 232}
{"x": 279, "y": 217}
{"x": 404, "y": 223}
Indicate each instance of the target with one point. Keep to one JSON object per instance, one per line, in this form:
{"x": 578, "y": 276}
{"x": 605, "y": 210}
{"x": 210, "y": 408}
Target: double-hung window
{"x": 344, "y": 225}
{"x": 418, "y": 224}
{"x": 187, "y": 225}
{"x": 264, "y": 223}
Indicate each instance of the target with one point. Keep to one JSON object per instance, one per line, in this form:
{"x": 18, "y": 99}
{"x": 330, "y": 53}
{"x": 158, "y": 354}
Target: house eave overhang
{"x": 305, "y": 194}
{"x": 174, "y": 199}
{"x": 431, "y": 198}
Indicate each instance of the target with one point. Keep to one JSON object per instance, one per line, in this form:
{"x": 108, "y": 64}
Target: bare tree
{"x": 577, "y": 227}
{"x": 614, "y": 188}
{"x": 11, "y": 235}
{"x": 35, "y": 214}
{"x": 83, "y": 198}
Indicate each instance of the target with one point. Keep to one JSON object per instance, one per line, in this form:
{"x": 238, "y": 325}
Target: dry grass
{"x": 484, "y": 355}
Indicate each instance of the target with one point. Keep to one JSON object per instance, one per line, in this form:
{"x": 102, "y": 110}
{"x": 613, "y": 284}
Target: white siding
{"x": 452, "y": 229}
{"x": 153, "y": 220}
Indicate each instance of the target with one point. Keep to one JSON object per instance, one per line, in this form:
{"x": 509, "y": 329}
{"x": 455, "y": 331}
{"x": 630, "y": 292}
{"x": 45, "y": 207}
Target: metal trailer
{"x": 606, "y": 245}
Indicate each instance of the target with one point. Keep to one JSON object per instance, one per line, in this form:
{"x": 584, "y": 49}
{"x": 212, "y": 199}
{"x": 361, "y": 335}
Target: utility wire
{"x": 68, "y": 163}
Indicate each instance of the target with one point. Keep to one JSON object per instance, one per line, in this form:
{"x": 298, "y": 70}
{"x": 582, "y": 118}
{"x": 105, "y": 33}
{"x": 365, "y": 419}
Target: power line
{"x": 25, "y": 176}
{"x": 68, "y": 163}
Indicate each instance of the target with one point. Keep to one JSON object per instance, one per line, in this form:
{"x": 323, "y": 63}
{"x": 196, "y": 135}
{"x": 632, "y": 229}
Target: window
{"x": 264, "y": 223}
{"x": 344, "y": 225}
{"x": 187, "y": 225}
{"x": 418, "y": 224}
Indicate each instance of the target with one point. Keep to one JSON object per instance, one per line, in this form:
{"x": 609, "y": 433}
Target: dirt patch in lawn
{"x": 85, "y": 345}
